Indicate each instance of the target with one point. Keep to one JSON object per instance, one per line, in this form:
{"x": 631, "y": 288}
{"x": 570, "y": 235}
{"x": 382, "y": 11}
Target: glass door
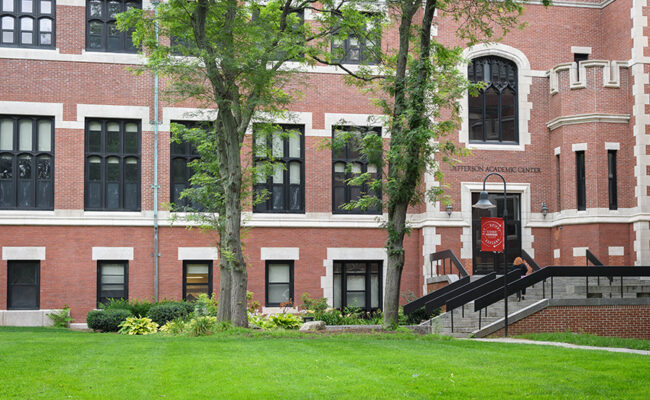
{"x": 486, "y": 262}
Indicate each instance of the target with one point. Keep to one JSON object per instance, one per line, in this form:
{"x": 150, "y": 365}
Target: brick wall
{"x": 631, "y": 321}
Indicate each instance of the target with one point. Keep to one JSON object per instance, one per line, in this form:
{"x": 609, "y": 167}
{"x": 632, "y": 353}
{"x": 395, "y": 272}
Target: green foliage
{"x": 349, "y": 316}
{"x": 286, "y": 321}
{"x": 280, "y": 320}
{"x": 107, "y": 320}
{"x": 61, "y": 319}
{"x": 206, "y": 305}
{"x": 317, "y": 304}
{"x": 252, "y": 305}
{"x": 173, "y": 328}
{"x": 201, "y": 326}
{"x": 138, "y": 326}
{"x": 135, "y": 306}
{"x": 164, "y": 312}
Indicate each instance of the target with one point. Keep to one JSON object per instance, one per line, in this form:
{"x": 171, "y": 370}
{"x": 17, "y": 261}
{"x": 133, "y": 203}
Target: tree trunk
{"x": 225, "y": 284}
{"x": 395, "y": 247}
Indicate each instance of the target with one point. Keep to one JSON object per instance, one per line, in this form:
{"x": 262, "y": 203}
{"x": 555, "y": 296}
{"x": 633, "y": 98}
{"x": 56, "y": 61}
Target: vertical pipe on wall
{"x": 155, "y": 186}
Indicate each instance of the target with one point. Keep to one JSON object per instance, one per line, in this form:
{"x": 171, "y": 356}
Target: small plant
{"x": 201, "y": 326}
{"x": 136, "y": 307}
{"x": 138, "y": 326}
{"x": 206, "y": 305}
{"x": 286, "y": 321}
{"x": 107, "y": 320}
{"x": 252, "y": 305}
{"x": 318, "y": 304}
{"x": 164, "y": 312}
{"x": 174, "y": 328}
{"x": 61, "y": 319}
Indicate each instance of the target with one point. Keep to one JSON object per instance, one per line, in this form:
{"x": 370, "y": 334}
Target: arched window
{"x": 101, "y": 30}
{"x": 493, "y": 113}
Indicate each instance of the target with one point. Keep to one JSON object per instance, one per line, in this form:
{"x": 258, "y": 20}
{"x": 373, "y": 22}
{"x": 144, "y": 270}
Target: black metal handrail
{"x": 477, "y": 292}
{"x": 530, "y": 261}
{"x": 421, "y": 302}
{"x": 441, "y": 300}
{"x": 594, "y": 260}
{"x": 559, "y": 271}
{"x": 448, "y": 255}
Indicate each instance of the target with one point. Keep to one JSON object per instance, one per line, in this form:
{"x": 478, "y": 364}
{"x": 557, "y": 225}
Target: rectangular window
{"x": 359, "y": 47}
{"x": 581, "y": 181}
{"x": 197, "y": 279}
{"x": 611, "y": 174}
{"x": 101, "y": 28}
{"x": 112, "y": 165}
{"x": 279, "y": 283}
{"x": 26, "y": 163}
{"x": 558, "y": 181}
{"x": 23, "y": 285}
{"x": 112, "y": 280}
{"x": 181, "y": 155}
{"x": 358, "y": 284}
{"x": 577, "y": 57}
{"x": 27, "y": 23}
{"x": 348, "y": 163}
{"x": 283, "y": 190}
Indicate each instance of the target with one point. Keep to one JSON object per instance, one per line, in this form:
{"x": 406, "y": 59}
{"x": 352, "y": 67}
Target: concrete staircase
{"x": 467, "y": 321}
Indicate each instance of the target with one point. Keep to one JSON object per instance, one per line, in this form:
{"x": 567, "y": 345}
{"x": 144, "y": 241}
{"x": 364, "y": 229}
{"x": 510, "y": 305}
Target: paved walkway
{"x": 565, "y": 345}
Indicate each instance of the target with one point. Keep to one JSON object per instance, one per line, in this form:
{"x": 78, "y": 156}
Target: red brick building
{"x": 565, "y": 119}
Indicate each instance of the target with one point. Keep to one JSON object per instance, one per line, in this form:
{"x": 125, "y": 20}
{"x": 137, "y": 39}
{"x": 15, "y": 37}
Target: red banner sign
{"x": 492, "y": 234}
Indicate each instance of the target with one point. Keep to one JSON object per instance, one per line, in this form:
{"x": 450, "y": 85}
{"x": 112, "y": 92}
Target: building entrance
{"x": 486, "y": 262}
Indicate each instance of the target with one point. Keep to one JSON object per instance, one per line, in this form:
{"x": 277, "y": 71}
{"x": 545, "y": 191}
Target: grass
{"x": 46, "y": 363}
{"x": 590, "y": 340}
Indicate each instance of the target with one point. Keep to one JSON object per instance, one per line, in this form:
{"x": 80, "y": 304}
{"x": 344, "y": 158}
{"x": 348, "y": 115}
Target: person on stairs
{"x": 525, "y": 269}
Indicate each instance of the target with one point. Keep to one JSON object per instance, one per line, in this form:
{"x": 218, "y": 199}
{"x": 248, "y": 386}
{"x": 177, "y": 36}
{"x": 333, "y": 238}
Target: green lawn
{"x": 40, "y": 363}
{"x": 585, "y": 339}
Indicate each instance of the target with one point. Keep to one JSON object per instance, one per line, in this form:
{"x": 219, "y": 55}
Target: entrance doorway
{"x": 486, "y": 262}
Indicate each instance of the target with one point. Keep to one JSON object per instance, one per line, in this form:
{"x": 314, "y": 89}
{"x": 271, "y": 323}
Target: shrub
{"x": 136, "y": 307}
{"x": 61, "y": 319}
{"x": 175, "y": 327}
{"x": 106, "y": 320}
{"x": 420, "y": 315}
{"x": 252, "y": 305}
{"x": 318, "y": 304}
{"x": 206, "y": 305}
{"x": 164, "y": 312}
{"x": 138, "y": 326}
{"x": 201, "y": 326}
{"x": 286, "y": 321}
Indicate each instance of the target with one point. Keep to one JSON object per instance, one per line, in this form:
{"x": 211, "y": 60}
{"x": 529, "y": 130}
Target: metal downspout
{"x": 155, "y": 185}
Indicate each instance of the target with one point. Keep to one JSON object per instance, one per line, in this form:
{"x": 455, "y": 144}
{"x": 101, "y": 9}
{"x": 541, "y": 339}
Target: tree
{"x": 418, "y": 86}
{"x": 232, "y": 55}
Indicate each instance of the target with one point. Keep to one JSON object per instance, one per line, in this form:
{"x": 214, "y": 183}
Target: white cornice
{"x": 588, "y": 118}
{"x": 576, "y": 4}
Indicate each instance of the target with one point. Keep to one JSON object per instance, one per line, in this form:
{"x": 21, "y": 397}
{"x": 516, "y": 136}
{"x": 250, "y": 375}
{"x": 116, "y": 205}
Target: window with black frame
{"x": 23, "y": 285}
{"x": 197, "y": 279}
{"x": 27, "y": 23}
{"x": 359, "y": 48}
{"x": 611, "y": 175}
{"x": 581, "y": 187}
{"x": 112, "y": 281}
{"x": 26, "y": 163}
{"x": 182, "y": 153}
{"x": 358, "y": 284}
{"x": 101, "y": 30}
{"x": 493, "y": 114}
{"x": 112, "y": 165}
{"x": 284, "y": 187}
{"x": 279, "y": 283}
{"x": 348, "y": 163}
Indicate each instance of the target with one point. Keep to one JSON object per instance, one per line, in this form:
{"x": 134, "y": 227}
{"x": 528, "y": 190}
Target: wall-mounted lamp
{"x": 544, "y": 209}
{"x": 449, "y": 209}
